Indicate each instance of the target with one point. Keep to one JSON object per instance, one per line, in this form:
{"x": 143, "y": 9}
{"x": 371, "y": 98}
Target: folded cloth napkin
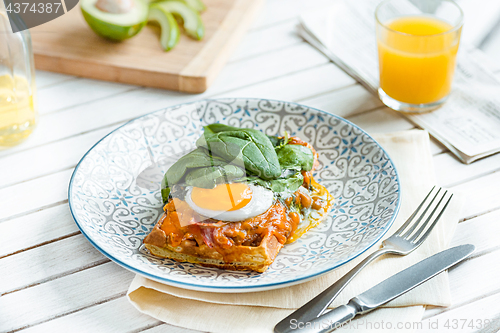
{"x": 260, "y": 311}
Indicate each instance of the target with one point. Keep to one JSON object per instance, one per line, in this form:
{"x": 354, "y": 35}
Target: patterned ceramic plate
{"x": 115, "y": 199}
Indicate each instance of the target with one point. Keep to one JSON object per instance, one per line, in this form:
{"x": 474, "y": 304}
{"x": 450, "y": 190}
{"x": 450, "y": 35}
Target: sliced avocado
{"x": 115, "y": 26}
{"x": 193, "y": 25}
{"x": 196, "y": 4}
{"x": 170, "y": 31}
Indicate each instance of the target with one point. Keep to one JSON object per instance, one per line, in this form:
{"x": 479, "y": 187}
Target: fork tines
{"x": 422, "y": 212}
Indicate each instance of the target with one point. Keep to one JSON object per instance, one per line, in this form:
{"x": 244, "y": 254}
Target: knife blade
{"x": 383, "y": 292}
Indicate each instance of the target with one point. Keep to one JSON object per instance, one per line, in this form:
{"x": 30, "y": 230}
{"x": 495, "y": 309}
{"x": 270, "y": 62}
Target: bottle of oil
{"x": 18, "y": 109}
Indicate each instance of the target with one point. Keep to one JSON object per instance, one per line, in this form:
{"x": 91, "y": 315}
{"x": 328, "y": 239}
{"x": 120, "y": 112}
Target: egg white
{"x": 262, "y": 199}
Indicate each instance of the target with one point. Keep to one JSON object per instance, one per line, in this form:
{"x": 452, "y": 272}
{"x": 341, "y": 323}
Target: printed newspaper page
{"x": 469, "y": 122}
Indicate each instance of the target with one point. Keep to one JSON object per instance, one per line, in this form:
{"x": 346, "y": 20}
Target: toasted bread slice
{"x": 255, "y": 258}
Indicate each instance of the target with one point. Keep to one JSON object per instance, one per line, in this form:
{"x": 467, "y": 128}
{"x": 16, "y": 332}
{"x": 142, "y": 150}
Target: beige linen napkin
{"x": 260, "y": 311}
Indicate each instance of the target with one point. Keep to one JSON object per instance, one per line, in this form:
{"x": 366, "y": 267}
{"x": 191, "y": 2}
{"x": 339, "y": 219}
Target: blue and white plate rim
{"x": 231, "y": 289}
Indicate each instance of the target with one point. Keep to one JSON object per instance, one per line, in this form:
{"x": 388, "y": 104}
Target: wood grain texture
{"x": 45, "y": 226}
{"x": 481, "y": 231}
{"x": 483, "y": 195}
{"x": 451, "y": 173}
{"x": 47, "y": 262}
{"x": 483, "y": 309}
{"x": 46, "y": 79}
{"x": 380, "y": 121}
{"x": 67, "y": 45}
{"x": 296, "y": 86}
{"x": 27, "y": 197}
{"x": 64, "y": 295}
{"x": 349, "y": 101}
{"x": 77, "y": 92}
{"x": 267, "y": 40}
{"x": 473, "y": 280}
{"x": 278, "y": 11}
{"x": 65, "y": 154}
{"x": 115, "y": 316}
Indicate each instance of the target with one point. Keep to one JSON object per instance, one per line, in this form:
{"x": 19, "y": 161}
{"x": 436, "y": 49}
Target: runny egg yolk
{"x": 224, "y": 197}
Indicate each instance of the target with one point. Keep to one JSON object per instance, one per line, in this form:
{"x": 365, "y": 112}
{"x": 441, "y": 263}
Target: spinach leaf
{"x": 165, "y": 192}
{"x": 290, "y": 184}
{"x": 252, "y": 146}
{"x": 279, "y": 142}
{"x": 217, "y": 128}
{"x": 295, "y": 157}
{"x": 209, "y": 177}
{"x": 196, "y": 159}
{"x": 280, "y": 185}
{"x": 276, "y": 141}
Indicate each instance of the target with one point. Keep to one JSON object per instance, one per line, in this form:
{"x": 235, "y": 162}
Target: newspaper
{"x": 468, "y": 123}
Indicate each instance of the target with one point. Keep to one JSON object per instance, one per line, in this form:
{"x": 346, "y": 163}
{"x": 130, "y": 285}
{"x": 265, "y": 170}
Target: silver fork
{"x": 402, "y": 242}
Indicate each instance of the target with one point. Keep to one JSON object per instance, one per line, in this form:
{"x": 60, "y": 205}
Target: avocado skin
{"x": 112, "y": 31}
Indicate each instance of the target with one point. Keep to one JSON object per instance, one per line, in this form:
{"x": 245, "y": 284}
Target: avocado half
{"x": 115, "y": 26}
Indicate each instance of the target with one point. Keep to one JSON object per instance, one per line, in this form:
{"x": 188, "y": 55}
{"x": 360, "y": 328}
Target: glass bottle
{"x": 18, "y": 107}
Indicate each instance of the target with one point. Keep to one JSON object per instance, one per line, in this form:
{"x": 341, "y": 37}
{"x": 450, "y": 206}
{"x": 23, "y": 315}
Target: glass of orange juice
{"x": 417, "y": 46}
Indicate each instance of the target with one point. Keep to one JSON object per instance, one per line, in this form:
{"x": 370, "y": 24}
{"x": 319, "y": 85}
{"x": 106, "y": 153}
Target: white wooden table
{"x": 53, "y": 280}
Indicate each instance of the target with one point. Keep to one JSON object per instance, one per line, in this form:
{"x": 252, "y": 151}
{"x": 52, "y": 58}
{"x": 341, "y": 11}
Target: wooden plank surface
{"x": 67, "y": 45}
{"x": 45, "y": 226}
{"x": 96, "y": 319}
{"x": 58, "y": 282}
{"x": 63, "y": 295}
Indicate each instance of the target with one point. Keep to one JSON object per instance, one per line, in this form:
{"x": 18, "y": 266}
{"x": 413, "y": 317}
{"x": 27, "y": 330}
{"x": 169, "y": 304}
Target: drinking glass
{"x": 417, "y": 46}
{"x": 18, "y": 111}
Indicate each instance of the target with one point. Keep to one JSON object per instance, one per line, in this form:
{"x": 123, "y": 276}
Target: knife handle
{"x": 318, "y": 305}
{"x": 330, "y": 320}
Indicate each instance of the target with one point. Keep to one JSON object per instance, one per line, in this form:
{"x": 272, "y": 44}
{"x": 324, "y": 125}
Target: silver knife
{"x": 380, "y": 294}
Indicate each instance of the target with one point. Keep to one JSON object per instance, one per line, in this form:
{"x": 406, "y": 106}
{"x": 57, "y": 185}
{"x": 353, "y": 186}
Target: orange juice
{"x": 417, "y": 58}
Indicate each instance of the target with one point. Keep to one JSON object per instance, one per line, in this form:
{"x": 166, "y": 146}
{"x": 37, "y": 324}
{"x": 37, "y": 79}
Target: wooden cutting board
{"x": 67, "y": 45}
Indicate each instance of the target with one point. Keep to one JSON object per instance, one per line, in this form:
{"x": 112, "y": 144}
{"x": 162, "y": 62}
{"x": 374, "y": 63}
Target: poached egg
{"x": 230, "y": 202}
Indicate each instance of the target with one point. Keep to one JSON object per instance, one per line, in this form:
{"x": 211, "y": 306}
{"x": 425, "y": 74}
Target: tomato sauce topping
{"x": 224, "y": 236}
